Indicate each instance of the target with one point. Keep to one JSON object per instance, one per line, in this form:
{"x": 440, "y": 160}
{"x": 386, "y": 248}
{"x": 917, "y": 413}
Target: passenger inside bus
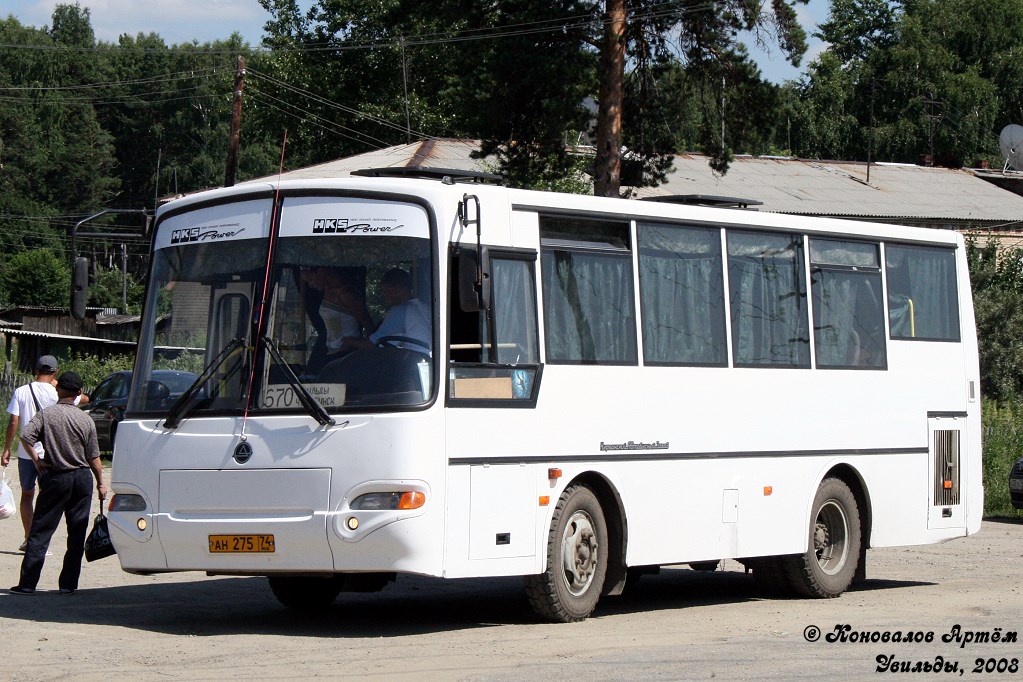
{"x": 337, "y": 310}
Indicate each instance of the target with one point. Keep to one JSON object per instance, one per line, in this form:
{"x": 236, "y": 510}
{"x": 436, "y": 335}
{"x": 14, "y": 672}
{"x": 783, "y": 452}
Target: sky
{"x": 179, "y": 21}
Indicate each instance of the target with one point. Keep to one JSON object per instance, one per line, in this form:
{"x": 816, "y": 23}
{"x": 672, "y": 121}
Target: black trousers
{"x": 68, "y": 494}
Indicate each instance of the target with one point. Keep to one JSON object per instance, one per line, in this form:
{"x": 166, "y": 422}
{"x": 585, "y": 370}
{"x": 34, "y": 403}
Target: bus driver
{"x": 406, "y": 317}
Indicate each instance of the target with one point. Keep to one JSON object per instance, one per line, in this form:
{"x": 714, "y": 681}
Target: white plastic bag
{"x": 7, "y": 508}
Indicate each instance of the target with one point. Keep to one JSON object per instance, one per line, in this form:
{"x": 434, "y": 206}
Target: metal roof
{"x": 67, "y": 337}
{"x": 840, "y": 188}
{"x": 440, "y": 153}
{"x": 784, "y": 185}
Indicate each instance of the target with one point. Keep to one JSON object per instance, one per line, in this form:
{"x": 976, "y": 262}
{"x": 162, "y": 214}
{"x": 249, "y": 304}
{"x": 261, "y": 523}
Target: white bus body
{"x": 625, "y": 399}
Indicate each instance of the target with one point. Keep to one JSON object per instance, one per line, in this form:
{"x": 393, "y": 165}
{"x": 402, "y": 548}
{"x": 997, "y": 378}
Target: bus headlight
{"x": 389, "y": 500}
{"x": 123, "y": 502}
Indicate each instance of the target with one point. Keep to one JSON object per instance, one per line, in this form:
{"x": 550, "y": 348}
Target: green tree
{"x": 109, "y": 288}
{"x": 997, "y": 279}
{"x": 37, "y": 278}
{"x": 931, "y": 80}
{"x": 57, "y": 159}
{"x": 705, "y": 36}
{"x": 392, "y": 71}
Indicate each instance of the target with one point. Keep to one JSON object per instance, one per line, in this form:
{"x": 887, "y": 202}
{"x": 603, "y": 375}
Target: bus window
{"x": 922, "y": 298}
{"x": 768, "y": 300}
{"x": 589, "y": 313}
{"x": 848, "y": 319}
{"x": 682, "y": 293}
{"x": 495, "y": 354}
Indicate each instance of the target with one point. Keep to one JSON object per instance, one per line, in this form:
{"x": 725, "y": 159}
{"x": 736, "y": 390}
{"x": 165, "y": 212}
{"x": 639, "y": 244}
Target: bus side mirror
{"x": 473, "y": 279}
{"x": 79, "y": 287}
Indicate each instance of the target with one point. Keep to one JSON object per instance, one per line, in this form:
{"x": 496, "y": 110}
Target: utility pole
{"x": 124, "y": 279}
{"x": 236, "y": 124}
{"x": 870, "y": 137}
{"x": 404, "y": 83}
{"x": 932, "y": 118}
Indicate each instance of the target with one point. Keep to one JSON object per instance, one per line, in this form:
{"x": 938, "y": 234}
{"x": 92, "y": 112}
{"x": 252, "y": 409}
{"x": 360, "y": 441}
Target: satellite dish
{"x": 1011, "y": 143}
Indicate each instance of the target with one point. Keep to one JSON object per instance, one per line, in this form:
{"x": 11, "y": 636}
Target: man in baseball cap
{"x": 47, "y": 364}
{"x": 26, "y": 401}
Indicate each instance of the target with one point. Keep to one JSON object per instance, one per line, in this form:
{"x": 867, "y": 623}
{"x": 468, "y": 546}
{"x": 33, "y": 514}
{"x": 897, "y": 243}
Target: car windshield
{"x": 348, "y": 307}
{"x": 177, "y": 382}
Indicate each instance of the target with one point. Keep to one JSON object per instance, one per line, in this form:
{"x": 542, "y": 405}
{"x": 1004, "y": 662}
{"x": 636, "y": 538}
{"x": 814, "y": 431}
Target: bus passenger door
{"x": 946, "y": 435}
{"x": 493, "y": 379}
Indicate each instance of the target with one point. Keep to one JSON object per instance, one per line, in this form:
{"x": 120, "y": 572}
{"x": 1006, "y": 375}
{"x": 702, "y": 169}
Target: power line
{"x": 166, "y": 78}
{"x": 567, "y": 23}
{"x": 315, "y": 120}
{"x": 326, "y": 102}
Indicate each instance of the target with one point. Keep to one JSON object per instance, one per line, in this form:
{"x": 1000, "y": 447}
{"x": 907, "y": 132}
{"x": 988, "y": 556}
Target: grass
{"x": 1003, "y": 445}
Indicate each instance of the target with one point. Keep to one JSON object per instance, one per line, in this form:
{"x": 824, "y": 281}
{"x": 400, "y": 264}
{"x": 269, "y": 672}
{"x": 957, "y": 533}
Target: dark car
{"x": 1016, "y": 484}
{"x": 109, "y": 399}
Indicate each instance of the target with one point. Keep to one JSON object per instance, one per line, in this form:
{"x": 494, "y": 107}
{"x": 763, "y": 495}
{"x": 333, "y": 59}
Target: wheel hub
{"x": 580, "y": 553}
{"x": 831, "y": 537}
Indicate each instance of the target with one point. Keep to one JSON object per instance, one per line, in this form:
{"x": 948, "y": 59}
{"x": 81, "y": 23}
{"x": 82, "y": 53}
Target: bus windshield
{"x": 347, "y": 314}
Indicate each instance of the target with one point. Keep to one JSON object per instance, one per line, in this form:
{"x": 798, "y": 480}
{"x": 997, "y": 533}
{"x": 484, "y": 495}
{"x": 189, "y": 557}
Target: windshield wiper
{"x": 314, "y": 408}
{"x": 180, "y": 408}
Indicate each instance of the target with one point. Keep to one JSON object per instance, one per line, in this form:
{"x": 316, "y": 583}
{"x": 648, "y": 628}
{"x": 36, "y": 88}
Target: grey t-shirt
{"x": 68, "y": 436}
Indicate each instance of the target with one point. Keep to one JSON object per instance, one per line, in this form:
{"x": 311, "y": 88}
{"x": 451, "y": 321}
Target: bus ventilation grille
{"x": 946, "y": 468}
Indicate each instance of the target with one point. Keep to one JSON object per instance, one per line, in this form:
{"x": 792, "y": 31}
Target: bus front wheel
{"x": 576, "y": 559}
{"x": 828, "y": 566}
{"x": 306, "y": 593}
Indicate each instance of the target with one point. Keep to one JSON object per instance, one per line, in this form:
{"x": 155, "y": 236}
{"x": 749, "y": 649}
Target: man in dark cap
{"x": 407, "y": 321}
{"x": 72, "y": 461}
{"x": 26, "y": 401}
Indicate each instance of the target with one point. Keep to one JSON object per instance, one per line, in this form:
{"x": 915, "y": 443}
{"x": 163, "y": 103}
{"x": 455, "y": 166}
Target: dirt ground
{"x": 681, "y": 624}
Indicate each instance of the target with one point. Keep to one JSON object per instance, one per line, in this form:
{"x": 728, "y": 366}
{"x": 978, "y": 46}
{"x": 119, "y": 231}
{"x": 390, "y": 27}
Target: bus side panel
{"x": 740, "y": 452}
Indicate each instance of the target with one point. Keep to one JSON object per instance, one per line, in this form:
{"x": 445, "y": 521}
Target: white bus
{"x": 566, "y": 388}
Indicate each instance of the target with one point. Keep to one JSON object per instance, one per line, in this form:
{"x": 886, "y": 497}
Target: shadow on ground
{"x": 413, "y": 605}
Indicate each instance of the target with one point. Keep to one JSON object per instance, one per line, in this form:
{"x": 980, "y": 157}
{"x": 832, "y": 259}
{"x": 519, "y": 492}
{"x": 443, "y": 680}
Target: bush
{"x": 1003, "y": 445}
{"x": 37, "y": 277}
{"x": 93, "y": 370}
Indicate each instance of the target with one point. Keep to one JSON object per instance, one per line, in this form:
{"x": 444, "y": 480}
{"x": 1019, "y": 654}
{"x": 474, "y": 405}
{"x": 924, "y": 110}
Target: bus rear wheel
{"x": 828, "y": 566}
{"x": 576, "y": 559}
{"x": 306, "y": 593}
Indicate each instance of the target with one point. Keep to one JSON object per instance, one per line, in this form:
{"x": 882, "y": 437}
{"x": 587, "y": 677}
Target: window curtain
{"x": 588, "y": 307}
{"x": 768, "y": 300}
{"x": 514, "y": 312}
{"x": 848, "y": 319}
{"x": 922, "y": 298}
{"x": 682, "y": 295}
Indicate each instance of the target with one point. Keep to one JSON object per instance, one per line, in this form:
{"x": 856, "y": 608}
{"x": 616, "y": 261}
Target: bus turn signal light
{"x": 554, "y": 473}
{"x": 545, "y": 500}
{"x": 412, "y": 500}
{"x": 384, "y": 501}
{"x": 768, "y": 489}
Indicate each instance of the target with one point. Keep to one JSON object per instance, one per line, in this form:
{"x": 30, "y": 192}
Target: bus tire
{"x": 577, "y": 554}
{"x": 828, "y": 566}
{"x": 306, "y": 593}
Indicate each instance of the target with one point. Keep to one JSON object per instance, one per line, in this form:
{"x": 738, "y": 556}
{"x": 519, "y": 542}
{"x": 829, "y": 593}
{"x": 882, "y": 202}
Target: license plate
{"x": 242, "y": 543}
{"x": 1016, "y": 484}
